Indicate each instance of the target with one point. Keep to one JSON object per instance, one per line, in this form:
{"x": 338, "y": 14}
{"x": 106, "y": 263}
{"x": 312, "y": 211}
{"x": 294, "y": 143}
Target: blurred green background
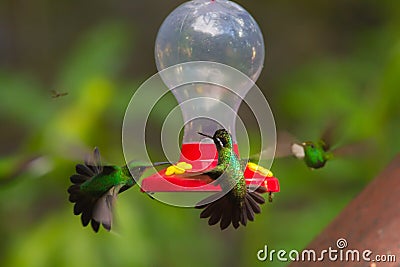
{"x": 323, "y": 58}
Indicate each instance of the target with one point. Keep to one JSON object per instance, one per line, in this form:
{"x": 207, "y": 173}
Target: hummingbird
{"x": 317, "y": 153}
{"x": 236, "y": 203}
{"x": 96, "y": 186}
{"x": 314, "y": 154}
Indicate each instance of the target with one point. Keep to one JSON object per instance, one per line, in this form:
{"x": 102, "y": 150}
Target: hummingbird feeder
{"x": 215, "y": 51}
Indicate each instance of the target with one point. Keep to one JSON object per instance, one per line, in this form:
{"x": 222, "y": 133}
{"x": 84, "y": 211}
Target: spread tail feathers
{"x": 227, "y": 210}
{"x": 93, "y": 210}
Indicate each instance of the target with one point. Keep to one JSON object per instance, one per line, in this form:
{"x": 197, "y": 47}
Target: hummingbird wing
{"x": 284, "y": 142}
{"x": 94, "y": 163}
{"x": 328, "y": 135}
{"x": 354, "y": 149}
{"x": 104, "y": 206}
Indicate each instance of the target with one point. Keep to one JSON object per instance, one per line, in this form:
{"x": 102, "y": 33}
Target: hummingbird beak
{"x": 161, "y": 163}
{"x": 205, "y": 135}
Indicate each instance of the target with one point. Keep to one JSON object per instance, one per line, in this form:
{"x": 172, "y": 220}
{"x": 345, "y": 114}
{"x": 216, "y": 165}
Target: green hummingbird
{"x": 236, "y": 203}
{"x": 96, "y": 186}
{"x": 314, "y": 154}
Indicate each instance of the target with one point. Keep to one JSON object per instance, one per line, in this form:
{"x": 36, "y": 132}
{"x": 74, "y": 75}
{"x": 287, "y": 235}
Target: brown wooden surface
{"x": 371, "y": 221}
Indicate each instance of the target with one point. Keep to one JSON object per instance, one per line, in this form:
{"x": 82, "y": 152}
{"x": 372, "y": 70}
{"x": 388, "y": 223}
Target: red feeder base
{"x": 199, "y": 155}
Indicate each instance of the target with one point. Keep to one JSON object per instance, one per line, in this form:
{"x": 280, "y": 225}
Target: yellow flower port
{"x": 179, "y": 168}
{"x": 261, "y": 170}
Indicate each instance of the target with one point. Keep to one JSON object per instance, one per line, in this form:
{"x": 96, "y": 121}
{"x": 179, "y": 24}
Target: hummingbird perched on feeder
{"x": 96, "y": 186}
{"x": 236, "y": 203}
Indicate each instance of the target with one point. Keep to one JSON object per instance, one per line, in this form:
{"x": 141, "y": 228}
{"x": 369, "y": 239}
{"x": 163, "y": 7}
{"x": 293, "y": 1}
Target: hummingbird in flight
{"x": 236, "y": 203}
{"x": 316, "y": 154}
{"x": 95, "y": 188}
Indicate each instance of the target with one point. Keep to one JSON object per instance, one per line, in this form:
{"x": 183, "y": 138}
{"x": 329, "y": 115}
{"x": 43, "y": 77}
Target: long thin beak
{"x": 161, "y": 163}
{"x": 149, "y": 165}
{"x": 205, "y": 135}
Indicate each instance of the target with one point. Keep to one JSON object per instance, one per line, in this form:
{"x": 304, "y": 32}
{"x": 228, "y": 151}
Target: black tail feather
{"x": 208, "y": 211}
{"x": 84, "y": 204}
{"x": 227, "y": 217}
{"x": 86, "y": 217}
{"x": 228, "y": 210}
{"x": 78, "y": 179}
{"x": 253, "y": 204}
{"x": 84, "y": 170}
{"x": 216, "y": 216}
{"x": 243, "y": 217}
{"x": 258, "y": 198}
{"x": 236, "y": 214}
{"x": 249, "y": 210}
{"x": 95, "y": 225}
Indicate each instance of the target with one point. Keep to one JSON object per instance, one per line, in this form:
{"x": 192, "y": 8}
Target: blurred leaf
{"x": 23, "y": 100}
{"x": 100, "y": 53}
{"x": 77, "y": 123}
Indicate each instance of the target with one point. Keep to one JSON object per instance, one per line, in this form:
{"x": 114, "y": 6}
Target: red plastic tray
{"x": 202, "y": 156}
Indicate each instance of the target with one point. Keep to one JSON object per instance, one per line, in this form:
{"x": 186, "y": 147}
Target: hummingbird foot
{"x": 270, "y": 197}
